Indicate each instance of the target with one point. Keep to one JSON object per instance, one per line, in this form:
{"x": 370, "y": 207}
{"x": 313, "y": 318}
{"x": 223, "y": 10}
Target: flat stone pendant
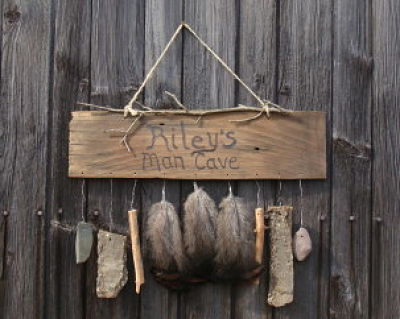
{"x": 112, "y": 274}
{"x": 83, "y": 242}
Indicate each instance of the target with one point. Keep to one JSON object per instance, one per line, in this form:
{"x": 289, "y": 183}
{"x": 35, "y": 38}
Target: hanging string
{"x": 163, "y": 192}
{"x": 195, "y": 186}
{"x": 129, "y": 107}
{"x": 280, "y": 192}
{"x": 301, "y": 204}
{"x": 230, "y": 189}
{"x": 111, "y": 204}
{"x": 133, "y": 194}
{"x": 83, "y": 202}
{"x": 258, "y": 195}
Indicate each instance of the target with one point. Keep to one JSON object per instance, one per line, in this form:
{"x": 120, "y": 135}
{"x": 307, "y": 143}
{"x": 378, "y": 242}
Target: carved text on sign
{"x": 202, "y": 148}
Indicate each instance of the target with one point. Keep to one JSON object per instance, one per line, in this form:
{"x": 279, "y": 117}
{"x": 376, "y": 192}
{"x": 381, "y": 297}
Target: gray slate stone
{"x": 83, "y": 242}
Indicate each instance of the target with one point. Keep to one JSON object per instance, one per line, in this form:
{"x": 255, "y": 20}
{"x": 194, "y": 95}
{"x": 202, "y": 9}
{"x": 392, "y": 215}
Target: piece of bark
{"x": 281, "y": 260}
{"x": 83, "y": 242}
{"x": 136, "y": 253}
{"x": 302, "y": 245}
{"x": 112, "y": 273}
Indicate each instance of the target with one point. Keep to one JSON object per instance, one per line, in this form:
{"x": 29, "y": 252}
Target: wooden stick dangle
{"x": 260, "y": 234}
{"x": 136, "y": 252}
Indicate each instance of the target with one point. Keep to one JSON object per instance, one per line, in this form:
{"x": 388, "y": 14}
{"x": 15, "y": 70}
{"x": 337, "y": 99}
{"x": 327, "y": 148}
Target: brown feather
{"x": 164, "y": 235}
{"x": 200, "y": 230}
{"x": 235, "y": 238}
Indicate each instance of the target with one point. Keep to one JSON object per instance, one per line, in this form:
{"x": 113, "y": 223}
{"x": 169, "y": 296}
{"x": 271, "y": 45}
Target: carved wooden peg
{"x": 136, "y": 252}
{"x": 260, "y": 233}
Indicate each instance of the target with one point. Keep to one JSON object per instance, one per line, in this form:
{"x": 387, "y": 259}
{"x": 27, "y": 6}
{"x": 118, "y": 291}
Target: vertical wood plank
{"x": 386, "y": 127}
{"x": 156, "y": 300}
{"x": 64, "y": 279}
{"x": 305, "y": 83}
{"x": 117, "y": 52}
{"x": 208, "y": 85}
{"x": 351, "y": 170}
{"x": 256, "y": 65}
{"x": 250, "y": 300}
{"x": 162, "y": 19}
{"x": 24, "y": 104}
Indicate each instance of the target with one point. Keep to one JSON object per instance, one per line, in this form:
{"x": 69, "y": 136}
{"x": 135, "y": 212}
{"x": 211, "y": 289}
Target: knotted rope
{"x": 129, "y": 110}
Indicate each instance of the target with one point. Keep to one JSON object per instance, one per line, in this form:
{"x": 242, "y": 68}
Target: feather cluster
{"x": 235, "y": 241}
{"x": 163, "y": 233}
{"x": 199, "y": 224}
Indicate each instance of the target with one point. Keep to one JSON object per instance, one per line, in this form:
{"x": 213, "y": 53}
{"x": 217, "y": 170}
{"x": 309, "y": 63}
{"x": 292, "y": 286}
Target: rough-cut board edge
{"x": 320, "y": 174}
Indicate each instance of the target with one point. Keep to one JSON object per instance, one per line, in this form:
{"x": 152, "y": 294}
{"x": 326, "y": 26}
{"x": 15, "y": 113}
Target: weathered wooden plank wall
{"x": 334, "y": 55}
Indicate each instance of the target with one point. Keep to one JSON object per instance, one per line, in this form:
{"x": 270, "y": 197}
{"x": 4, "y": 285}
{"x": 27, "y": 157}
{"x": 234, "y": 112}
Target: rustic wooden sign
{"x": 177, "y": 146}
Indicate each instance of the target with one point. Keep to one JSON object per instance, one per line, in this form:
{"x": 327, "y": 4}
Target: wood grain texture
{"x": 351, "y": 162}
{"x": 117, "y": 42}
{"x": 25, "y": 64}
{"x": 207, "y": 85}
{"x": 305, "y": 73}
{"x": 71, "y": 75}
{"x": 312, "y": 54}
{"x": 256, "y": 64}
{"x": 385, "y": 272}
{"x": 161, "y": 20}
{"x": 3, "y": 225}
{"x": 175, "y": 146}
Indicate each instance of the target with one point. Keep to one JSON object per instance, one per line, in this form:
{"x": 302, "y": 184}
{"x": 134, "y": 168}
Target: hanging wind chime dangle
{"x": 164, "y": 236}
{"x": 235, "y": 242}
{"x": 84, "y": 234}
{"x": 281, "y": 271}
{"x": 259, "y": 230}
{"x": 135, "y": 241}
{"x": 302, "y": 245}
{"x": 199, "y": 224}
{"x": 112, "y": 273}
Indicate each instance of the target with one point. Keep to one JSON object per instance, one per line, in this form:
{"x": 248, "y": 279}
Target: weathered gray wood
{"x": 208, "y": 85}
{"x": 162, "y": 18}
{"x": 3, "y": 223}
{"x": 385, "y": 272}
{"x": 305, "y": 83}
{"x": 256, "y": 65}
{"x": 71, "y": 75}
{"x": 307, "y": 63}
{"x": 250, "y": 299}
{"x": 351, "y": 171}
{"x": 24, "y": 105}
{"x": 117, "y": 51}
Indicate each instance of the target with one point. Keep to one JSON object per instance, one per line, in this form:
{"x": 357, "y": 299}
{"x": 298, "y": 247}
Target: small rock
{"x": 302, "y": 245}
{"x": 112, "y": 274}
{"x": 83, "y": 242}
